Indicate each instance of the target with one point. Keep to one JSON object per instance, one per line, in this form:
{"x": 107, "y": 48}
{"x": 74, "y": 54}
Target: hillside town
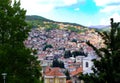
{"x": 59, "y": 41}
{"x": 53, "y": 44}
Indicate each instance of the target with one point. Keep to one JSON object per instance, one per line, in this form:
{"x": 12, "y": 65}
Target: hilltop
{"x": 39, "y": 18}
{"x": 100, "y": 27}
{"x": 35, "y": 20}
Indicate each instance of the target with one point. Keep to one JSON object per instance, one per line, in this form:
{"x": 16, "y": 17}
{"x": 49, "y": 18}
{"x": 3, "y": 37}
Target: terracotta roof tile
{"x": 47, "y": 70}
{"x": 71, "y": 67}
{"x": 53, "y": 72}
{"x": 69, "y": 81}
{"x": 77, "y": 71}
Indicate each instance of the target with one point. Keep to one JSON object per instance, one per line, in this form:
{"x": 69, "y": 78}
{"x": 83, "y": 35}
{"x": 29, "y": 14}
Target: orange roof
{"x": 77, "y": 71}
{"x": 47, "y": 70}
{"x": 69, "y": 81}
{"x": 71, "y": 67}
{"x": 53, "y": 72}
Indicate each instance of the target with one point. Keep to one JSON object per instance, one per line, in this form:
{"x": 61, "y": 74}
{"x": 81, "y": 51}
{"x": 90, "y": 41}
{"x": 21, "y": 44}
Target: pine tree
{"x": 107, "y": 69}
{"x": 15, "y": 59}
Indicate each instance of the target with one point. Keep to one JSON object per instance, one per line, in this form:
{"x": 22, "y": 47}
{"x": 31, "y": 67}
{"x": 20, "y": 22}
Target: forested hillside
{"x": 36, "y": 21}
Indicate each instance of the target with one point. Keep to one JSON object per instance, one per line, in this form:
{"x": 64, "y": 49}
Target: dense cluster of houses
{"x": 75, "y": 66}
{"x": 60, "y": 41}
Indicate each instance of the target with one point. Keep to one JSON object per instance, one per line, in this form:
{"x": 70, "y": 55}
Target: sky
{"x": 84, "y": 12}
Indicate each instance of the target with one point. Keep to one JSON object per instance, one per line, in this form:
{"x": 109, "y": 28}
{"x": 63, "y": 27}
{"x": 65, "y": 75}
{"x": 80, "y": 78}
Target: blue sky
{"x": 85, "y": 12}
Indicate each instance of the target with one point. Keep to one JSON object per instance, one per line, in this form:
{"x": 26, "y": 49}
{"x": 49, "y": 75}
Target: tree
{"x": 47, "y": 46}
{"x": 57, "y": 63}
{"x": 67, "y": 75}
{"x": 78, "y": 53}
{"x": 67, "y": 54}
{"x": 15, "y": 59}
{"x": 51, "y": 26}
{"x": 61, "y": 64}
{"x": 74, "y": 40}
{"x": 107, "y": 68}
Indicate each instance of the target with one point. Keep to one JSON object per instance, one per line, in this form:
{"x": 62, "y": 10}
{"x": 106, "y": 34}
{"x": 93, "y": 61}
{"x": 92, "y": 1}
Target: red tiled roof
{"x": 69, "y": 81}
{"x": 47, "y": 70}
{"x": 53, "y": 72}
{"x": 77, "y": 71}
{"x": 71, "y": 67}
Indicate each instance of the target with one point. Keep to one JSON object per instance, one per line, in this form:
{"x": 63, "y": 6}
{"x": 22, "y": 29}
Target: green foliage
{"x": 67, "y": 54}
{"x": 78, "y": 53}
{"x": 57, "y": 63}
{"x": 73, "y": 29}
{"x": 67, "y": 75}
{"x": 74, "y": 40}
{"x": 39, "y": 18}
{"x": 35, "y": 23}
{"x": 33, "y": 18}
{"x": 40, "y": 22}
{"x": 15, "y": 59}
{"x": 47, "y": 46}
{"x": 107, "y": 69}
{"x": 51, "y": 26}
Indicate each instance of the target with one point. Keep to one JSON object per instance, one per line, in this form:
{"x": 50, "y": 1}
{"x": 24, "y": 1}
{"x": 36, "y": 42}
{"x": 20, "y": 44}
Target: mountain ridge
{"x": 42, "y": 19}
{"x": 99, "y": 26}
{"x": 38, "y": 20}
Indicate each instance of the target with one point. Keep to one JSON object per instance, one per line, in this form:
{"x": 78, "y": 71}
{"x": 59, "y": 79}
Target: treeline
{"x": 69, "y": 54}
{"x": 57, "y": 63}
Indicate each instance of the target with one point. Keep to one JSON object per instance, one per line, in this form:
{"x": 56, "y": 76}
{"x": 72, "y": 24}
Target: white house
{"x": 79, "y": 58}
{"x": 87, "y": 64}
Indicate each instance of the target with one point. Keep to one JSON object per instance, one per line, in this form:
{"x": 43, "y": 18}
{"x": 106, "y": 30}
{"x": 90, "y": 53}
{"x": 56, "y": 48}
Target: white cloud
{"x": 106, "y": 21}
{"x": 37, "y": 6}
{"x": 57, "y": 3}
{"x": 110, "y": 9}
{"x": 108, "y": 6}
{"x": 69, "y": 2}
{"x": 116, "y": 17}
{"x": 105, "y": 2}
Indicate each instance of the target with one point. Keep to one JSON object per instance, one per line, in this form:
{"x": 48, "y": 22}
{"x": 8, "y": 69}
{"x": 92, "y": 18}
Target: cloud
{"x": 116, "y": 17}
{"x": 110, "y": 9}
{"x": 44, "y": 6}
{"x": 69, "y": 2}
{"x": 115, "y": 3}
{"x": 57, "y": 3}
{"x": 36, "y": 6}
{"x": 106, "y": 2}
{"x": 106, "y": 21}
{"x": 108, "y": 6}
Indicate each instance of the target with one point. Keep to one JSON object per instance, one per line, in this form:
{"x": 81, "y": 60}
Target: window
{"x": 87, "y": 64}
{"x": 51, "y": 81}
{"x": 61, "y": 80}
